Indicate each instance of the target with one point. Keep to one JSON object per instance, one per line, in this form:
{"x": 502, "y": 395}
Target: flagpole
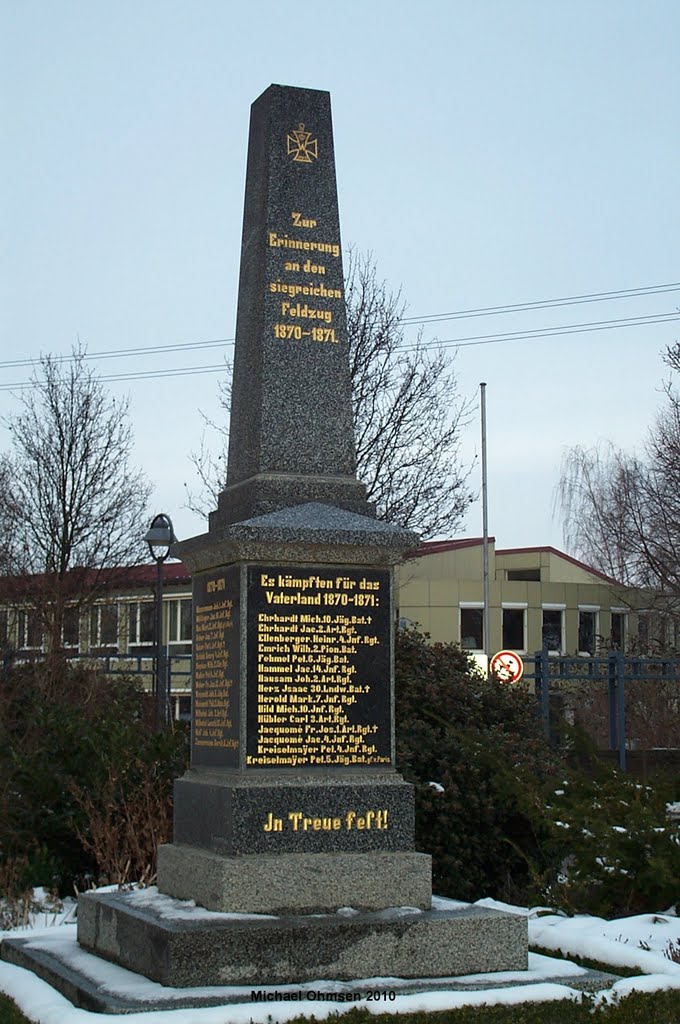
{"x": 485, "y": 524}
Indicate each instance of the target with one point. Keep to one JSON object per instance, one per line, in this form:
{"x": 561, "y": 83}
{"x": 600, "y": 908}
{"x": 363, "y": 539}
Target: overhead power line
{"x": 146, "y": 350}
{"x": 554, "y": 332}
{"x": 180, "y": 371}
{"x": 479, "y": 339}
{"x": 656, "y": 289}
{"x": 464, "y": 342}
{"x": 569, "y": 300}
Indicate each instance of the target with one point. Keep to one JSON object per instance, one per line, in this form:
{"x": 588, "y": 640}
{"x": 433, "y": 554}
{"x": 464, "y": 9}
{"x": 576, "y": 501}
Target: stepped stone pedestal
{"x": 185, "y": 951}
{"x": 300, "y": 872}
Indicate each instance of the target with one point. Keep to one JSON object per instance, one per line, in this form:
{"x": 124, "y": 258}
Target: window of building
{"x": 587, "y": 630}
{"x": 183, "y": 709}
{"x": 672, "y": 634}
{"x": 472, "y": 628}
{"x": 104, "y": 626}
{"x": 140, "y": 623}
{"x": 4, "y": 627}
{"x": 29, "y": 629}
{"x": 524, "y": 575}
{"x": 553, "y": 630}
{"x": 179, "y": 622}
{"x": 513, "y": 628}
{"x": 666, "y": 634}
{"x": 657, "y": 633}
{"x": 70, "y": 627}
{"x": 617, "y": 634}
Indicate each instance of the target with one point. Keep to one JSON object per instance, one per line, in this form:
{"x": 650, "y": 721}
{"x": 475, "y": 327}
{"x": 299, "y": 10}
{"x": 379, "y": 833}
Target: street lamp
{"x": 160, "y": 536}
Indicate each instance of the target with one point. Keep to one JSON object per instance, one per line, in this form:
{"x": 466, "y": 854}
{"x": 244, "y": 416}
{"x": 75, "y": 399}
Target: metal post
{"x": 621, "y": 709}
{"x": 613, "y": 736}
{"x": 485, "y": 525}
{"x": 169, "y": 706}
{"x": 160, "y": 537}
{"x": 159, "y": 673}
{"x": 542, "y": 673}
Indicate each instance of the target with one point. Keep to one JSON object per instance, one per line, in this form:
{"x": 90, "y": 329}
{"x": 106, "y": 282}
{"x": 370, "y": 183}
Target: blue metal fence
{"x": 618, "y": 673}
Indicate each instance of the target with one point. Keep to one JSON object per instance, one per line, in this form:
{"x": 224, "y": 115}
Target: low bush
{"x": 637, "y": 1008}
{"x": 617, "y": 854}
{"x": 508, "y": 816}
{"x": 87, "y": 783}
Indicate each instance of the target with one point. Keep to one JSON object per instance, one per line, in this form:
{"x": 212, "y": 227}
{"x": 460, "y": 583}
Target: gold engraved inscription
{"x": 284, "y": 241}
{"x": 298, "y": 821}
{"x": 293, "y": 318}
{"x": 316, "y": 703}
{"x": 213, "y": 681}
{"x": 302, "y": 222}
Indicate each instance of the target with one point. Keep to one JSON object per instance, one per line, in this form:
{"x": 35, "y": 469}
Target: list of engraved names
{"x": 216, "y": 668}
{"x": 318, "y": 667}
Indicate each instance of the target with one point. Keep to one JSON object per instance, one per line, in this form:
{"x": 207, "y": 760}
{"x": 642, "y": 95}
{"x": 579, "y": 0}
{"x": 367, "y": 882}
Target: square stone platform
{"x": 97, "y": 985}
{"x": 179, "y": 945}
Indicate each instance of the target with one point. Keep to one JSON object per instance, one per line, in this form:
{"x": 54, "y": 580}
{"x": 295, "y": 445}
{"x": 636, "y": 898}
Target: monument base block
{"x": 232, "y": 814}
{"x": 295, "y": 883}
{"x": 181, "y": 946}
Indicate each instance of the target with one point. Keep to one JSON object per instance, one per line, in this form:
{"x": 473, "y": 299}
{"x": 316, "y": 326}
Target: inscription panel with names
{"x": 215, "y": 712}
{"x": 318, "y": 677}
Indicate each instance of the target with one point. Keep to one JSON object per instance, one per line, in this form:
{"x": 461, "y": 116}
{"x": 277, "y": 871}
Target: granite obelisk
{"x": 291, "y": 437}
{"x": 293, "y": 731}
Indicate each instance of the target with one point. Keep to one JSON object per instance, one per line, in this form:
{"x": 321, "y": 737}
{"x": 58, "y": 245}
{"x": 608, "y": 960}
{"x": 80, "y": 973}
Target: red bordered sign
{"x": 507, "y": 666}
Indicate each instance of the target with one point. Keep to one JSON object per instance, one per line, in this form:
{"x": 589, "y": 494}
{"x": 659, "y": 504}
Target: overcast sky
{"x": 488, "y": 153}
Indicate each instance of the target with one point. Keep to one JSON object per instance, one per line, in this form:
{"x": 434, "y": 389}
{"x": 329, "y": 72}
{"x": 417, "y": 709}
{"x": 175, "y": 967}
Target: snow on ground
{"x": 645, "y": 942}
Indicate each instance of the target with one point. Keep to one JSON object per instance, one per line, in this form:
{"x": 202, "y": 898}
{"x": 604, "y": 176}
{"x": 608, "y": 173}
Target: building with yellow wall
{"x": 539, "y": 597}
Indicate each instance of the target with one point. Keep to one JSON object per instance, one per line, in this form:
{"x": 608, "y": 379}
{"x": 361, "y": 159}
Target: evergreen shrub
{"x": 617, "y": 852}
{"x": 86, "y": 783}
{"x": 481, "y": 742}
{"x": 509, "y": 817}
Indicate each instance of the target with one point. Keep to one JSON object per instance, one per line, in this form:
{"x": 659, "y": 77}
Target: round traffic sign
{"x": 507, "y": 666}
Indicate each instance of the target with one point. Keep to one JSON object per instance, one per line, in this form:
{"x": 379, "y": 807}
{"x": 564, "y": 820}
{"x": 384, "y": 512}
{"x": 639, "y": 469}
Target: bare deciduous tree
{"x": 408, "y": 416}
{"x": 210, "y": 460}
{"x": 621, "y": 511}
{"x": 7, "y": 517}
{"x": 71, "y": 505}
{"x": 407, "y": 411}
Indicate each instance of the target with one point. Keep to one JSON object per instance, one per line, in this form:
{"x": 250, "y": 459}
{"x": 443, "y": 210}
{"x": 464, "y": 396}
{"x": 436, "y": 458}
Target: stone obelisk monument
{"x": 292, "y": 806}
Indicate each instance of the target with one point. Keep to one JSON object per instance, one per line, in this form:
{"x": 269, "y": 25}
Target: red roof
{"x": 173, "y": 572}
{"x": 80, "y": 579}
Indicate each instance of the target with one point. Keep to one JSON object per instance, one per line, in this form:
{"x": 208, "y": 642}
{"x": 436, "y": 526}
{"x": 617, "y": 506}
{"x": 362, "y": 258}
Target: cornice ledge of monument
{"x": 282, "y": 778}
{"x": 313, "y": 532}
{"x": 262, "y": 493}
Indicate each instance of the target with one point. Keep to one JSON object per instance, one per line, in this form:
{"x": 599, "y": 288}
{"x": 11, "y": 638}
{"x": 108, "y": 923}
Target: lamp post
{"x": 160, "y": 536}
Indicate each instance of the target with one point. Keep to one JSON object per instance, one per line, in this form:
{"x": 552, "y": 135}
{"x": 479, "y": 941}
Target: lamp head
{"x": 160, "y": 537}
